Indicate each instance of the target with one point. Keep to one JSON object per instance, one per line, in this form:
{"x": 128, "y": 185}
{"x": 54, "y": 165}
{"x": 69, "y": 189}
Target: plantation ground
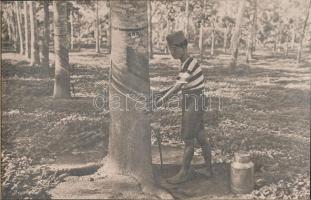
{"x": 264, "y": 109}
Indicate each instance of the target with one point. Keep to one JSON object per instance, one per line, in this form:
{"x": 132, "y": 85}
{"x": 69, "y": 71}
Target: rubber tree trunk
{"x": 79, "y": 31}
{"x": 302, "y": 35}
{"x": 279, "y": 38}
{"x": 293, "y": 38}
{"x": 14, "y": 27}
{"x": 213, "y": 38}
{"x": 46, "y": 35}
{"x": 26, "y": 26}
{"x": 34, "y": 56}
{"x": 201, "y": 46}
{"x": 20, "y": 32}
{"x": 97, "y": 30}
{"x": 287, "y": 44}
{"x": 129, "y": 140}
{"x": 61, "y": 45}
{"x": 235, "y": 40}
{"x": 252, "y": 35}
{"x": 225, "y": 39}
{"x": 150, "y": 45}
{"x": 71, "y": 30}
{"x": 187, "y": 19}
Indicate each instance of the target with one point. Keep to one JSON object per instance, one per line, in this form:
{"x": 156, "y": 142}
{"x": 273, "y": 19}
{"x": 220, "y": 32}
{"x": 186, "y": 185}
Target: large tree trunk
{"x": 302, "y": 35}
{"x": 26, "y": 25}
{"x": 46, "y": 36}
{"x": 62, "y": 74}
{"x": 20, "y": 33}
{"x": 129, "y": 152}
{"x": 150, "y": 45}
{"x": 97, "y": 33}
{"x": 35, "y": 59}
{"x": 252, "y": 35}
{"x": 235, "y": 40}
{"x": 187, "y": 19}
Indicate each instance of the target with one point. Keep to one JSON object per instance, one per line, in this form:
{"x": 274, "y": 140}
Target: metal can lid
{"x": 242, "y": 157}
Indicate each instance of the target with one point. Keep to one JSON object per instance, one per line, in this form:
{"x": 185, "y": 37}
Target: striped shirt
{"x": 191, "y": 75}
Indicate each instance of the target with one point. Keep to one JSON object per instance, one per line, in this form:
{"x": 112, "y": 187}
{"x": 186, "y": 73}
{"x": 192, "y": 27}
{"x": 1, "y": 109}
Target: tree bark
{"x": 187, "y": 19}
{"x": 150, "y": 45}
{"x": 97, "y": 30}
{"x": 35, "y": 59}
{"x": 302, "y": 35}
{"x": 62, "y": 74}
{"x": 252, "y": 35}
{"x": 20, "y": 33}
{"x": 293, "y": 38}
{"x": 213, "y": 38}
{"x": 26, "y": 25}
{"x": 201, "y": 45}
{"x": 225, "y": 39}
{"x": 71, "y": 30}
{"x": 129, "y": 140}
{"x": 235, "y": 40}
{"x": 46, "y": 35}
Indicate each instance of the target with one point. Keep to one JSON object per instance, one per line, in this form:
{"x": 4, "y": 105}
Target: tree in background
{"x": 61, "y": 45}
{"x": 150, "y": 44}
{"x": 252, "y": 33}
{"x": 20, "y": 32}
{"x": 46, "y": 35}
{"x": 235, "y": 40}
{"x": 96, "y": 30}
{"x": 26, "y": 31}
{"x": 34, "y": 56}
{"x": 302, "y": 35}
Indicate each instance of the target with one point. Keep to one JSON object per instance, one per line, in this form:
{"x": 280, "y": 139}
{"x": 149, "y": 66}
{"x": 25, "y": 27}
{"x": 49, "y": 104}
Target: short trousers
{"x": 192, "y": 114}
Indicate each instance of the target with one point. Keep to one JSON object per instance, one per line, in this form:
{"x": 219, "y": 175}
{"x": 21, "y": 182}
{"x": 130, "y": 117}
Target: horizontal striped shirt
{"x": 191, "y": 75}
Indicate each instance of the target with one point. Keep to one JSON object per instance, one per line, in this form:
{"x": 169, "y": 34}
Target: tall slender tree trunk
{"x": 201, "y": 45}
{"x": 61, "y": 45}
{"x": 79, "y": 31}
{"x": 97, "y": 30}
{"x": 279, "y": 38}
{"x": 35, "y": 59}
{"x": 302, "y": 35}
{"x": 252, "y": 35}
{"x": 287, "y": 45}
{"x": 46, "y": 35}
{"x": 225, "y": 39}
{"x": 213, "y": 38}
{"x": 235, "y": 40}
{"x": 187, "y": 19}
{"x": 20, "y": 32}
{"x": 14, "y": 27}
{"x": 293, "y": 38}
{"x": 26, "y": 25}
{"x": 72, "y": 30}
{"x": 150, "y": 46}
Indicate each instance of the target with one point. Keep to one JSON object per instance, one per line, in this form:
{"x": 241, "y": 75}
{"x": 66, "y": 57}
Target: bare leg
{"x": 184, "y": 173}
{"x": 207, "y": 154}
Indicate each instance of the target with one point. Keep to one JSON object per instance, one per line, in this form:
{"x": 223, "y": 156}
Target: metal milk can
{"x": 242, "y": 173}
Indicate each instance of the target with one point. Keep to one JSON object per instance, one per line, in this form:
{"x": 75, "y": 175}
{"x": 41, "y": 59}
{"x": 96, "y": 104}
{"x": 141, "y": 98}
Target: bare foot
{"x": 207, "y": 173}
{"x": 181, "y": 177}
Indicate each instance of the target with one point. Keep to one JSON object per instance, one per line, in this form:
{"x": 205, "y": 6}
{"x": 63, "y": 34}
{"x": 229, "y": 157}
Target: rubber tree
{"x": 72, "y": 38}
{"x": 19, "y": 25}
{"x": 97, "y": 31}
{"x": 150, "y": 45}
{"x": 202, "y": 23}
{"x": 252, "y": 34}
{"x": 235, "y": 40}
{"x": 187, "y": 19}
{"x": 61, "y": 45}
{"x": 26, "y": 31}
{"x": 302, "y": 35}
{"x": 46, "y": 35}
{"x": 34, "y": 55}
{"x": 129, "y": 150}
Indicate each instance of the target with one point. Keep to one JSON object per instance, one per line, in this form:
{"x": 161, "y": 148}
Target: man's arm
{"x": 173, "y": 90}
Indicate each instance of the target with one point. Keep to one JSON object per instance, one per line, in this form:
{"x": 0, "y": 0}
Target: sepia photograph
{"x": 155, "y": 99}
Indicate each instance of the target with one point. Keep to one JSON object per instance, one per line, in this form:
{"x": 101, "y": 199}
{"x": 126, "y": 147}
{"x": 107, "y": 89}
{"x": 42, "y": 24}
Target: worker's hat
{"x": 175, "y": 38}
